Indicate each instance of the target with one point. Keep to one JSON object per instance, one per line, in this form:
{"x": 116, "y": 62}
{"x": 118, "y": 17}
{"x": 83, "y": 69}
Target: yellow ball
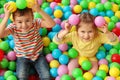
{"x": 88, "y": 75}
{"x": 30, "y": 3}
{"x": 118, "y": 78}
{"x": 12, "y": 5}
{"x": 117, "y": 13}
{"x": 104, "y": 67}
{"x": 77, "y": 8}
{"x": 91, "y": 5}
{"x": 66, "y": 53}
{"x": 114, "y": 72}
{"x": 106, "y": 77}
{"x": 81, "y": 59}
{"x": 54, "y": 64}
{"x": 46, "y": 41}
{"x": 11, "y": 17}
{"x": 58, "y": 13}
{"x": 115, "y": 7}
{"x": 107, "y": 19}
{"x": 49, "y": 0}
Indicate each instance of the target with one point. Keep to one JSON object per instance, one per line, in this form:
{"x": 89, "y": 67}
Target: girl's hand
{"x": 104, "y": 28}
{"x": 67, "y": 26}
{"x": 6, "y": 10}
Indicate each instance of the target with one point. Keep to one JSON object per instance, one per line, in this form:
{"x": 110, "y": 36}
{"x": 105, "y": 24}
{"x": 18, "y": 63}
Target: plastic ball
{"x": 109, "y": 13}
{"x": 11, "y": 55}
{"x": 40, "y": 2}
{"x": 114, "y": 72}
{"x": 116, "y": 31}
{"x": 81, "y": 59}
{"x": 100, "y": 55}
{"x": 103, "y": 61}
{"x": 77, "y": 72}
{"x": 21, "y": 4}
{"x": 63, "y": 47}
{"x": 2, "y": 71}
{"x": 107, "y": 46}
{"x": 65, "y": 77}
{"x": 115, "y": 7}
{"x": 48, "y": 10}
{"x": 84, "y": 4}
{"x": 64, "y": 59}
{"x": 65, "y": 2}
{"x": 8, "y": 73}
{"x": 11, "y": 77}
{"x": 46, "y": 50}
{"x": 73, "y": 53}
{"x": 1, "y": 54}
{"x": 108, "y": 58}
{"x": 100, "y": 7}
{"x": 118, "y": 25}
{"x": 53, "y": 72}
{"x": 12, "y": 5}
{"x": 45, "y": 5}
{"x": 108, "y": 5}
{"x": 114, "y": 19}
{"x": 74, "y": 19}
{"x": 4, "y": 63}
{"x": 12, "y": 65}
{"x": 57, "y": 1}
{"x": 52, "y": 46}
{"x": 53, "y": 4}
{"x": 115, "y": 64}
{"x": 101, "y": 73}
{"x": 86, "y": 65}
{"x": 117, "y": 13}
{"x": 77, "y": 8}
{"x": 54, "y": 64}
{"x": 4, "y": 45}
{"x": 99, "y": 21}
{"x": 73, "y": 2}
{"x": 46, "y": 41}
{"x": 111, "y": 78}
{"x": 115, "y": 58}
{"x": 97, "y": 78}
{"x": 88, "y": 75}
{"x": 56, "y": 53}
{"x": 103, "y": 1}
{"x": 91, "y": 5}
{"x": 67, "y": 14}
{"x": 56, "y": 28}
{"x": 62, "y": 69}
{"x": 104, "y": 67}
{"x": 57, "y": 20}
{"x": 57, "y": 78}
{"x": 80, "y": 78}
{"x": 58, "y": 13}
{"x": 49, "y": 57}
{"x": 66, "y": 8}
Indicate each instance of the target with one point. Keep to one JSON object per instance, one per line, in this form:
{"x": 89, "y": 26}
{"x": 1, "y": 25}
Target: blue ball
{"x": 97, "y": 78}
{"x": 10, "y": 37}
{"x": 12, "y": 44}
{"x": 56, "y": 28}
{"x": 94, "y": 11}
{"x": 66, "y": 8}
{"x": 84, "y": 11}
{"x": 48, "y": 10}
{"x": 2, "y": 78}
{"x": 56, "y": 53}
{"x": 67, "y": 14}
{"x": 109, "y": 13}
{"x": 100, "y": 55}
{"x": 51, "y": 35}
{"x": 58, "y": 8}
{"x": 107, "y": 46}
{"x": 53, "y": 72}
{"x": 101, "y": 14}
{"x": 64, "y": 59}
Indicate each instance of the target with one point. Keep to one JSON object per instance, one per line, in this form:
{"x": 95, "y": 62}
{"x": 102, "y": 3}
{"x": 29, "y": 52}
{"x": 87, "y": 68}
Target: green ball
{"x": 108, "y": 58}
{"x": 46, "y": 50}
{"x": 84, "y": 4}
{"x": 37, "y": 15}
{"x": 4, "y": 45}
{"x": 117, "y": 1}
{"x": 100, "y": 7}
{"x": 113, "y": 51}
{"x": 115, "y": 64}
{"x": 96, "y": 1}
{"x": 77, "y": 72}
{"x": 1, "y": 10}
{"x": 114, "y": 19}
{"x": 21, "y": 4}
{"x": 8, "y": 73}
{"x": 12, "y": 65}
{"x": 111, "y": 26}
{"x": 86, "y": 65}
{"x": 4, "y": 63}
{"x": 65, "y": 77}
{"x": 101, "y": 73}
{"x": 44, "y": 5}
{"x": 80, "y": 78}
{"x": 43, "y": 31}
{"x": 117, "y": 46}
{"x": 2, "y": 2}
{"x": 101, "y": 48}
{"x": 53, "y": 46}
{"x": 108, "y": 5}
{"x": 65, "y": 2}
{"x": 11, "y": 77}
{"x": 72, "y": 53}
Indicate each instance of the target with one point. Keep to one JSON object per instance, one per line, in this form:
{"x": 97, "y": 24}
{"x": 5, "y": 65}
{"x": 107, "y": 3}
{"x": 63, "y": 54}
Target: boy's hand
{"x": 103, "y": 28}
{"x": 6, "y": 10}
{"x": 36, "y": 6}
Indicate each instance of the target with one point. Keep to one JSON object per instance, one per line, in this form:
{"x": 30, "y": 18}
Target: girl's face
{"x": 24, "y": 22}
{"x": 86, "y": 32}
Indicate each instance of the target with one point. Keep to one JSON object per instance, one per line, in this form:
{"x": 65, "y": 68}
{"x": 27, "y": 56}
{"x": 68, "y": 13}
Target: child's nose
{"x": 24, "y": 25}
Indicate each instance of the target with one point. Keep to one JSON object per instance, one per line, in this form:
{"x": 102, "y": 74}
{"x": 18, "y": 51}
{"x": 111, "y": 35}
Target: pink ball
{"x": 53, "y": 4}
{"x": 111, "y": 78}
{"x": 62, "y": 69}
{"x": 73, "y": 2}
{"x": 57, "y": 20}
{"x": 49, "y": 57}
{"x": 57, "y": 78}
{"x": 103, "y": 1}
{"x": 74, "y": 19}
{"x": 11, "y": 55}
{"x": 40, "y": 2}
{"x": 63, "y": 47}
{"x": 99, "y": 21}
{"x": 103, "y": 61}
{"x": 2, "y": 15}
{"x": 118, "y": 25}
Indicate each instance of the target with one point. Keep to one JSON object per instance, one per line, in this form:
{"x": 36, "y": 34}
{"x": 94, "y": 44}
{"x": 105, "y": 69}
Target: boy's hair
{"x": 21, "y": 12}
{"x": 86, "y": 18}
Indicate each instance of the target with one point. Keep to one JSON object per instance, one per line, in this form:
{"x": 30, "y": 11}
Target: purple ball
{"x": 11, "y": 55}
{"x": 49, "y": 57}
{"x": 62, "y": 69}
{"x": 99, "y": 21}
{"x": 111, "y": 78}
{"x": 57, "y": 20}
{"x": 74, "y": 19}
{"x": 63, "y": 47}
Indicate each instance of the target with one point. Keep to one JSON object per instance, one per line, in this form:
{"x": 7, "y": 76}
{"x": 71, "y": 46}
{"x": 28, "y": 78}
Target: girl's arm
{"x": 47, "y": 21}
{"x": 3, "y": 31}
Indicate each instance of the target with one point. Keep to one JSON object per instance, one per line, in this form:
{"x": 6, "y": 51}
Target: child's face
{"x": 86, "y": 32}
{"x": 24, "y": 23}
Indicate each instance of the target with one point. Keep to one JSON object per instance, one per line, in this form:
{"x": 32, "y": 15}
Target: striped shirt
{"x": 27, "y": 44}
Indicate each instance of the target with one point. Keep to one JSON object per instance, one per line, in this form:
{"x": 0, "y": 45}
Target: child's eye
{"x": 27, "y": 21}
{"x": 90, "y": 31}
{"x": 83, "y": 31}
{"x": 19, "y": 22}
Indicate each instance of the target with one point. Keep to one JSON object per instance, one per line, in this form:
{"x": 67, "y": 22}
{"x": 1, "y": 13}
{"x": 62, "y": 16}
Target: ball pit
{"x": 105, "y": 11}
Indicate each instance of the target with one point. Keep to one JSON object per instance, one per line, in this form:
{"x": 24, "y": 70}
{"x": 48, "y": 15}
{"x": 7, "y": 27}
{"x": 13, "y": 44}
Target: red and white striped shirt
{"x": 27, "y": 44}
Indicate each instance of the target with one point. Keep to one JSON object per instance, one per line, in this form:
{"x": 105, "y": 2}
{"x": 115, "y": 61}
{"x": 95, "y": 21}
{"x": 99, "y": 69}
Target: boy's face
{"x": 24, "y": 23}
{"x": 86, "y": 32}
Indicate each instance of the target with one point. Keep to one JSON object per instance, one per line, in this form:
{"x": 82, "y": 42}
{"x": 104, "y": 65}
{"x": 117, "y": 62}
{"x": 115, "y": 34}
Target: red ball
{"x": 115, "y": 58}
{"x": 116, "y": 31}
{"x": 1, "y": 54}
{"x": 57, "y": 1}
